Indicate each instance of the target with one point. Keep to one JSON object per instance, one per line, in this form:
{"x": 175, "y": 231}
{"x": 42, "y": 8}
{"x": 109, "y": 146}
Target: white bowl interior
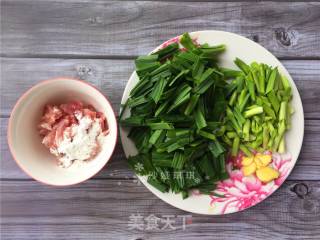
{"x": 25, "y": 143}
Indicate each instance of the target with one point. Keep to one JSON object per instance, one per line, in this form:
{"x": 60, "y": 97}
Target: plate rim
{"x": 161, "y": 195}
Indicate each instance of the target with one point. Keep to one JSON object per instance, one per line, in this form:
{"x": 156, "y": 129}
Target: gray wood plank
{"x": 18, "y": 75}
{"x": 101, "y": 209}
{"x": 110, "y": 76}
{"x": 125, "y": 28}
{"x": 307, "y": 167}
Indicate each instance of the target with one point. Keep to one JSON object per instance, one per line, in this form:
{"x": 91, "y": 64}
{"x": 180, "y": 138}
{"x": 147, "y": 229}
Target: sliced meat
{"x": 102, "y": 121}
{"x": 71, "y": 107}
{"x": 50, "y": 116}
{"x": 60, "y": 127}
{"x": 89, "y": 113}
{"x": 49, "y": 139}
{"x": 58, "y": 121}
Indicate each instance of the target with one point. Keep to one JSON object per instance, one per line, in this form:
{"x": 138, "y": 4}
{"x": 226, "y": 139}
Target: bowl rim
{"x": 25, "y": 94}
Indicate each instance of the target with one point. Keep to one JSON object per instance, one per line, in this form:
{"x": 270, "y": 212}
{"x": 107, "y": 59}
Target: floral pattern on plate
{"x": 240, "y": 192}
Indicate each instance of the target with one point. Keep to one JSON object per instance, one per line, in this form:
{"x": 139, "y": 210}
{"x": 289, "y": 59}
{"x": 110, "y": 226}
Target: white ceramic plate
{"x": 240, "y": 192}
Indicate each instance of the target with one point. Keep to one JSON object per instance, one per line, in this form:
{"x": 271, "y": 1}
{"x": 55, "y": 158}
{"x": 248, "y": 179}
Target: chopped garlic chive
{"x": 253, "y": 111}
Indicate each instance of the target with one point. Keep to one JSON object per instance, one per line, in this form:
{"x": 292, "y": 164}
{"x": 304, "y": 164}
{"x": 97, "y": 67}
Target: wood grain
{"x": 111, "y": 76}
{"x": 86, "y": 39}
{"x": 307, "y": 167}
{"x": 96, "y": 28}
{"x": 33, "y": 211}
{"x": 18, "y": 75}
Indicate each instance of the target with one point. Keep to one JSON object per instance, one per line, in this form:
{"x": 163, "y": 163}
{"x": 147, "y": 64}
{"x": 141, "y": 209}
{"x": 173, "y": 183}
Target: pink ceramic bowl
{"x": 25, "y": 142}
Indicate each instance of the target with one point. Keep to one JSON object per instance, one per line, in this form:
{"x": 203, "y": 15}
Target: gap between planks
{"x": 115, "y": 178}
{"x": 4, "y": 116}
{"x": 118, "y": 57}
{"x": 73, "y": 56}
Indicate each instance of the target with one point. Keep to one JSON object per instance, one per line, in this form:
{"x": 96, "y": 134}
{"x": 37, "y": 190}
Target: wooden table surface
{"x": 97, "y": 41}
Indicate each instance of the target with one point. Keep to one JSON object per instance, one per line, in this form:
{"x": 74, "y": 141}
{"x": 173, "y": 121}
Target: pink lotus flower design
{"x": 242, "y": 192}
